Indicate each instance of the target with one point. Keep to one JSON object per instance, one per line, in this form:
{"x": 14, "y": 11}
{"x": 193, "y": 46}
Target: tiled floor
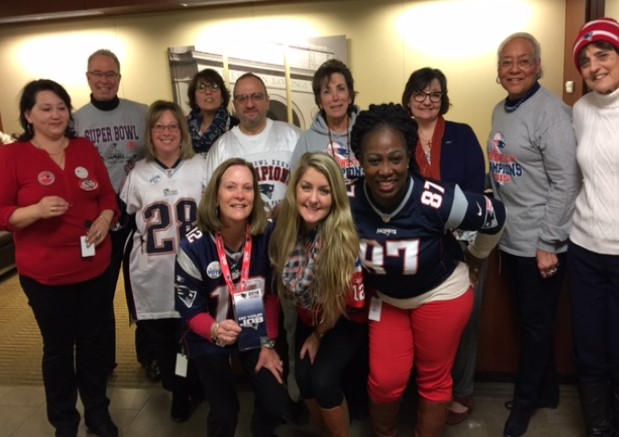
{"x": 145, "y": 413}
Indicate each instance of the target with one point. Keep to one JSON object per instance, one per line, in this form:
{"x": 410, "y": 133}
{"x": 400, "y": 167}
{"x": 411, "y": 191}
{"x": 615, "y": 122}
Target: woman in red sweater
{"x": 57, "y": 199}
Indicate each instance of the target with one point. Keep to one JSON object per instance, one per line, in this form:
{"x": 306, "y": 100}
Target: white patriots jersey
{"x": 165, "y": 204}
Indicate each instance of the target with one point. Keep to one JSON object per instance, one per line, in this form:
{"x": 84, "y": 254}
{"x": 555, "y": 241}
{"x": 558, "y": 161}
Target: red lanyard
{"x": 223, "y": 261}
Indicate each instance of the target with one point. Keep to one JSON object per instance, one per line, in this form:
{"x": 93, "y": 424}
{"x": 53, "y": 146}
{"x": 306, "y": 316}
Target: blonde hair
{"x": 208, "y": 213}
{"x": 339, "y": 241}
{"x": 155, "y": 111}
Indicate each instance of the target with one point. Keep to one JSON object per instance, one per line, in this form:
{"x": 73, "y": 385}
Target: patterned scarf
{"x": 203, "y": 142}
{"x": 299, "y": 272}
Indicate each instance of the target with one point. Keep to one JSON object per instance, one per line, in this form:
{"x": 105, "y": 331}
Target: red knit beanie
{"x": 601, "y": 29}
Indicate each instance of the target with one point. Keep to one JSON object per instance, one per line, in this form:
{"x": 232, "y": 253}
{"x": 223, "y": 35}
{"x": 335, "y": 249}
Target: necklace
{"x": 387, "y": 216}
{"x": 348, "y": 158}
{"x": 57, "y": 157}
{"x": 234, "y": 259}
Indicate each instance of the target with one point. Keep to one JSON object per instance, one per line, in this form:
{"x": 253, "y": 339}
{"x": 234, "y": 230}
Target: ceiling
{"x": 33, "y": 11}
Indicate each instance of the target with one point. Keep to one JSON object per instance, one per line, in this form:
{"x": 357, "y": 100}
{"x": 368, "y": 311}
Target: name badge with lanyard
{"x": 247, "y": 297}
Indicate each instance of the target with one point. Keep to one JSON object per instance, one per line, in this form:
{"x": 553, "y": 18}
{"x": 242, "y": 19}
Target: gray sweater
{"x": 532, "y": 156}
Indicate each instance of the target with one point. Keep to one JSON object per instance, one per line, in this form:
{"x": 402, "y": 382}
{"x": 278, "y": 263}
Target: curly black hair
{"x": 386, "y": 115}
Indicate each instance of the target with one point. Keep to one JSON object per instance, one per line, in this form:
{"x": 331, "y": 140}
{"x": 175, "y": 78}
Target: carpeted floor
{"x": 21, "y": 347}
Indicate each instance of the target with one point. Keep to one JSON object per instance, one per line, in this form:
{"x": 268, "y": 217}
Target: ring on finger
{"x": 53, "y": 209}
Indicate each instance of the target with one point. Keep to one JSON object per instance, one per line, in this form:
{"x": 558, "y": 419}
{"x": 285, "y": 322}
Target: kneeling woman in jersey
{"x": 223, "y": 279}
{"x": 315, "y": 250}
{"x": 162, "y": 191}
{"x": 423, "y": 293}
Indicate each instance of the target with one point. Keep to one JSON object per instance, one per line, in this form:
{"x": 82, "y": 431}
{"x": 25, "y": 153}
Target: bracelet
{"x": 108, "y": 221}
{"x": 318, "y": 334}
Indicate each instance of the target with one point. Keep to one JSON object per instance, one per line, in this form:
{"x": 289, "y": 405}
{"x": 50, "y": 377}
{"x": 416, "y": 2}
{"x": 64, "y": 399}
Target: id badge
{"x": 181, "y": 365}
{"x": 87, "y": 249}
{"x": 376, "y": 306}
{"x": 249, "y": 314}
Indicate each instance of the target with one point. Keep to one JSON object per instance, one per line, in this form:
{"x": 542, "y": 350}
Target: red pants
{"x": 427, "y": 336}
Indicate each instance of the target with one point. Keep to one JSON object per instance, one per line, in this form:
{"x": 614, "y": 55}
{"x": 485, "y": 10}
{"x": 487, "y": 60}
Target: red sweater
{"x": 48, "y": 250}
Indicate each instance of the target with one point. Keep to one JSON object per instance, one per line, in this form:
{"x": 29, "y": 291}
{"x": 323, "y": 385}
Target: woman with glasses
{"x": 593, "y": 256}
{"x": 532, "y": 154}
{"x": 161, "y": 192}
{"x": 209, "y": 117}
{"x": 450, "y": 152}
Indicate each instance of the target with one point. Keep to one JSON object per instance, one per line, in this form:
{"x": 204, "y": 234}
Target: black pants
{"x": 164, "y": 336}
{"x": 322, "y": 380}
{"x": 72, "y": 318}
{"x": 220, "y": 392}
{"x": 118, "y": 243}
{"x": 536, "y": 300}
{"x": 594, "y": 286}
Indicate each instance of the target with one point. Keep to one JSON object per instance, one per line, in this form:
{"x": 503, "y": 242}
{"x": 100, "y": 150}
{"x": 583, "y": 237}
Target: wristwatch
{"x": 268, "y": 343}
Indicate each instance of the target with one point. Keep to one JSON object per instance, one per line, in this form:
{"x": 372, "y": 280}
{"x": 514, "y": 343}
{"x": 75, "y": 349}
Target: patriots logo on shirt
{"x": 267, "y": 190}
{"x": 185, "y": 295}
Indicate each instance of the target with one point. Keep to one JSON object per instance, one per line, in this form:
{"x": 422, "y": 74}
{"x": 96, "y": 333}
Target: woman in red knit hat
{"x": 593, "y": 260}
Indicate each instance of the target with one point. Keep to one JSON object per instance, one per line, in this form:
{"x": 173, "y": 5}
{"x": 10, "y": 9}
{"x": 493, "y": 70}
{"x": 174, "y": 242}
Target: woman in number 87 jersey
{"x": 414, "y": 267}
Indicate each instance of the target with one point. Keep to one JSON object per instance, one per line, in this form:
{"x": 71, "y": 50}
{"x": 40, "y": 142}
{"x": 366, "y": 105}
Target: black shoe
{"x": 153, "y": 373}
{"x": 181, "y": 408}
{"x": 103, "y": 429}
{"x": 539, "y": 404}
{"x": 296, "y": 413}
{"x": 517, "y": 423}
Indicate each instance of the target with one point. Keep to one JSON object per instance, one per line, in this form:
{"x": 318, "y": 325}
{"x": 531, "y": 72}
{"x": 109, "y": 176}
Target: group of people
{"x": 368, "y": 233}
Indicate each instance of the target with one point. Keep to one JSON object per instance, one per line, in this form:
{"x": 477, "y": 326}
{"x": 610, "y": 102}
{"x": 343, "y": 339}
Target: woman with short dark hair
{"x": 209, "y": 117}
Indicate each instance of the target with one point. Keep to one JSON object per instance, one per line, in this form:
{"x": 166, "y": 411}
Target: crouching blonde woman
{"x": 314, "y": 249}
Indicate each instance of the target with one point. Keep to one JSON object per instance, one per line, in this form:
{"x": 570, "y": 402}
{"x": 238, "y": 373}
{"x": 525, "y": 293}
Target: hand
{"x": 547, "y": 263}
{"x": 52, "y": 206}
{"x": 98, "y": 231}
{"x": 474, "y": 265}
{"x": 310, "y": 346}
{"x": 270, "y": 360}
{"x": 227, "y": 332}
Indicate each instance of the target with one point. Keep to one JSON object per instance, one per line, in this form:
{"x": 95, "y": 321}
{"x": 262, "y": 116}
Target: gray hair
{"x": 104, "y": 52}
{"x": 537, "y": 48}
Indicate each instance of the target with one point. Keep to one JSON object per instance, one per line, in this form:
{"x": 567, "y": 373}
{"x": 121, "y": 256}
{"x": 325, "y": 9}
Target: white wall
{"x": 388, "y": 39}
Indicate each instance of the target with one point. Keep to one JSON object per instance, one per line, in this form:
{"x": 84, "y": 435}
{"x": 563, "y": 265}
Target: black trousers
{"x": 118, "y": 243}
{"x": 72, "y": 319}
{"x": 164, "y": 337}
{"x": 219, "y": 385}
{"x": 594, "y": 289}
{"x": 536, "y": 300}
{"x": 322, "y": 380}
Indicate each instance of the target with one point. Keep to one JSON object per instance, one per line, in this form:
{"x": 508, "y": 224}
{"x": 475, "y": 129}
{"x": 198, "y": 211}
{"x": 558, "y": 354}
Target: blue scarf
{"x": 220, "y": 125}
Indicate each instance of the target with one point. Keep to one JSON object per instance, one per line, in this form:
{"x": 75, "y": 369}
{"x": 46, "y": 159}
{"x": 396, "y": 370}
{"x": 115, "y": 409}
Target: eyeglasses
{"x": 160, "y": 128}
{"x": 420, "y": 96}
{"x": 523, "y": 63}
{"x": 243, "y": 98}
{"x": 104, "y": 74}
{"x": 202, "y": 87}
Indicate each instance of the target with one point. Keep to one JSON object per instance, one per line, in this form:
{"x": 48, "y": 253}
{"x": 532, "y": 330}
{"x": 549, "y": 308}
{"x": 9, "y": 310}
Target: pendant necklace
{"x": 387, "y": 216}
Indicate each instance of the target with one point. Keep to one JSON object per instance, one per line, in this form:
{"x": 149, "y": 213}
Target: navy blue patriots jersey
{"x": 411, "y": 250}
{"x": 200, "y": 286}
